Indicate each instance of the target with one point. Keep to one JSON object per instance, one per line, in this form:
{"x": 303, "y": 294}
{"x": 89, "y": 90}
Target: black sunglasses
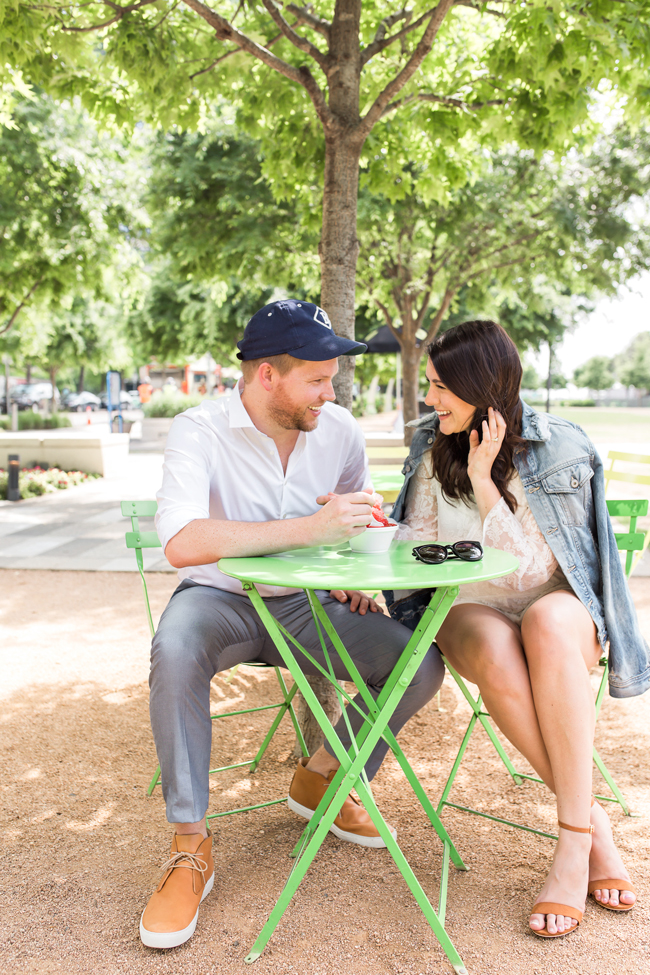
{"x": 434, "y": 554}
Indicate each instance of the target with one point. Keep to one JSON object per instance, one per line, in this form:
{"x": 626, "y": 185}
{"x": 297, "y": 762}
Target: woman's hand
{"x": 481, "y": 458}
{"x": 483, "y": 453}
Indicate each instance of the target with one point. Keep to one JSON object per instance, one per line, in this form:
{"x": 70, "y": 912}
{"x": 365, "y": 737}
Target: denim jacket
{"x": 563, "y": 477}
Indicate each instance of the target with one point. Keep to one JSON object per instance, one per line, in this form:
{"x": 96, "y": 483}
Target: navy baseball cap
{"x": 296, "y": 328}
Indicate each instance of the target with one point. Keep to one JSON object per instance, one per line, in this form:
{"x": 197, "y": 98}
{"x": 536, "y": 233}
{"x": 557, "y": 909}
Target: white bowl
{"x": 373, "y": 539}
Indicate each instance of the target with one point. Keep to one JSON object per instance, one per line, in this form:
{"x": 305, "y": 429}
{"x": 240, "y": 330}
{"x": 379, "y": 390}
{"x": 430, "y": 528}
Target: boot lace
{"x": 190, "y": 861}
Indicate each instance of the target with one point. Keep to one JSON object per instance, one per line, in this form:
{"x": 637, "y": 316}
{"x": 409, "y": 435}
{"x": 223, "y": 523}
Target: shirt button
{"x": 574, "y": 482}
{"x": 430, "y": 440}
{"x": 407, "y": 468}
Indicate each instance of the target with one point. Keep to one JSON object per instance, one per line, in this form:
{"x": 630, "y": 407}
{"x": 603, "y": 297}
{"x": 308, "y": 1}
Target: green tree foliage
{"x": 178, "y": 319}
{"x": 530, "y": 378}
{"x": 596, "y": 373}
{"x": 527, "y": 237}
{"x": 342, "y": 84}
{"x": 220, "y": 245}
{"x": 633, "y": 365}
{"x": 214, "y": 217}
{"x": 66, "y": 212}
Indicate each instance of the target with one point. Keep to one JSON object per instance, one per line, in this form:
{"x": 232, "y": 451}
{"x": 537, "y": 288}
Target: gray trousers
{"x": 206, "y": 630}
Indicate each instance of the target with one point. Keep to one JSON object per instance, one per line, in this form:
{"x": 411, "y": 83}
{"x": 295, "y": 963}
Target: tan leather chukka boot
{"x": 170, "y": 917}
{"x": 352, "y": 823}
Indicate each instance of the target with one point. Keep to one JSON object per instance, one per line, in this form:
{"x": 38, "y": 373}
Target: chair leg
{"x": 620, "y": 799}
{"x": 282, "y": 710}
{"x": 154, "y": 782}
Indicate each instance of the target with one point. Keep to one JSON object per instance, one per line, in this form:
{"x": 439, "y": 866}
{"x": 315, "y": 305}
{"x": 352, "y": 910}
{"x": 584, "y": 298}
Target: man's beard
{"x": 290, "y": 419}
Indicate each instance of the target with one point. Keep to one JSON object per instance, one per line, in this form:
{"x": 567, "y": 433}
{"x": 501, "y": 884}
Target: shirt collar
{"x": 237, "y": 412}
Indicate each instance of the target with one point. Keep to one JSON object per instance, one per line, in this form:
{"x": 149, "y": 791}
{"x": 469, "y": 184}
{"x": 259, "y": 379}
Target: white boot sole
{"x": 172, "y": 939}
{"x": 375, "y": 842}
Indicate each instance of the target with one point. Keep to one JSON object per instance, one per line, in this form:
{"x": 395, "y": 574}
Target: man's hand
{"x": 358, "y": 600}
{"x": 342, "y": 516}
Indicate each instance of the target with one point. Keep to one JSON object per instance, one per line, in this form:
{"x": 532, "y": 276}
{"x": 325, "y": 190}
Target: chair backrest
{"x": 387, "y": 483}
{"x": 137, "y": 540}
{"x": 628, "y": 478}
{"x": 631, "y": 541}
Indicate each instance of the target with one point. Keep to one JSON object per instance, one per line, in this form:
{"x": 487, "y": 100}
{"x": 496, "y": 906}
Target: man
{"x": 250, "y": 476}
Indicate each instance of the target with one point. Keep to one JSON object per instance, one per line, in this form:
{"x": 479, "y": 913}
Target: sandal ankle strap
{"x": 576, "y": 829}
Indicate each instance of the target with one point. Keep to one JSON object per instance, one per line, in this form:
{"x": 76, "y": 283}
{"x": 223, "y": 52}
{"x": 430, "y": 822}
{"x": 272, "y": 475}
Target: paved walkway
{"x": 82, "y": 528}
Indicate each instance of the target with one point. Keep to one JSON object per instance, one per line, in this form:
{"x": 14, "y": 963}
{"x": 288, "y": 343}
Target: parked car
{"x": 78, "y": 402}
{"x": 29, "y": 395}
{"x": 135, "y": 399}
{"x": 125, "y": 401}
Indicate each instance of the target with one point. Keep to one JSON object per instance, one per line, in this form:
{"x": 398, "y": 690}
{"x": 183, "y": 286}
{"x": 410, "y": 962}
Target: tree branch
{"x": 481, "y": 8}
{"x": 302, "y": 76}
{"x": 389, "y": 320}
{"x": 300, "y": 42}
{"x": 380, "y": 42}
{"x": 440, "y": 314}
{"x": 20, "y": 307}
{"x": 120, "y": 12}
{"x": 393, "y": 87}
{"x": 423, "y": 96}
{"x": 305, "y": 16}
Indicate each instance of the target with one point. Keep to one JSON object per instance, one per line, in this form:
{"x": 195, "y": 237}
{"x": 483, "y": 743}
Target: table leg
{"x": 352, "y": 763}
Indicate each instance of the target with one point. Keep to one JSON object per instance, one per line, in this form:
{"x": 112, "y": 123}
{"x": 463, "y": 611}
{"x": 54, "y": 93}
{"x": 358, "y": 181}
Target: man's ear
{"x": 266, "y": 375}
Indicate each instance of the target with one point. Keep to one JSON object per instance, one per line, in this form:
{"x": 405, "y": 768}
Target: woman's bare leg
{"x": 554, "y": 668}
{"x": 560, "y": 644}
{"x": 485, "y": 647}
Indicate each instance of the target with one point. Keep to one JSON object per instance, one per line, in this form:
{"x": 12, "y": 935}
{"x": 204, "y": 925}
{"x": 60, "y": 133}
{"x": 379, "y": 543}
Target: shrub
{"x": 35, "y": 481}
{"x": 579, "y": 402}
{"x": 28, "y": 420}
{"x": 169, "y": 403}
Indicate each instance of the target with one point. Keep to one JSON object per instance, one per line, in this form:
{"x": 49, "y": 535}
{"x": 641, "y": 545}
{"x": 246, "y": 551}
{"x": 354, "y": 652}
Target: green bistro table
{"x": 338, "y": 567}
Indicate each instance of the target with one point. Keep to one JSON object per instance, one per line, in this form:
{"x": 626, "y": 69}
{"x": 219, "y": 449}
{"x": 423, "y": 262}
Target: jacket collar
{"x": 534, "y": 425}
{"x": 428, "y": 422}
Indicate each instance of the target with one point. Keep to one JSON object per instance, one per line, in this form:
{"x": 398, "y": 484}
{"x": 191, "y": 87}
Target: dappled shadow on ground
{"x": 82, "y": 842}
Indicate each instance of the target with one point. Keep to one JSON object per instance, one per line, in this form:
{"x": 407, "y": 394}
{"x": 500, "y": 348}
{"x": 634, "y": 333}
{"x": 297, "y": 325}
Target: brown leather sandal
{"x": 548, "y": 907}
{"x": 611, "y": 884}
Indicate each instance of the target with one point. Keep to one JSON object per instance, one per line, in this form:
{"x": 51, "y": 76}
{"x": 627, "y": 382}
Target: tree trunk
{"x": 339, "y": 250}
{"x": 80, "y": 381}
{"x": 410, "y": 386}
{"x": 53, "y": 372}
{"x": 339, "y": 247}
{"x": 309, "y": 726}
{"x": 28, "y": 372}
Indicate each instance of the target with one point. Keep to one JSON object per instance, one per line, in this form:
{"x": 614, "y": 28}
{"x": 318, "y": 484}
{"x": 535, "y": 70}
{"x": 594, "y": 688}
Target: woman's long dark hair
{"x": 478, "y": 362}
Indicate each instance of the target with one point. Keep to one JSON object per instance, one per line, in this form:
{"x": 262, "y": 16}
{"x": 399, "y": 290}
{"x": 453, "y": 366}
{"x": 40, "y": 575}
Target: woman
{"x": 488, "y": 467}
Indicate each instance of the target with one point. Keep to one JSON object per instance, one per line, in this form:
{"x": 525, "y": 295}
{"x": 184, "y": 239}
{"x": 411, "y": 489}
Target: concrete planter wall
{"x": 94, "y": 453}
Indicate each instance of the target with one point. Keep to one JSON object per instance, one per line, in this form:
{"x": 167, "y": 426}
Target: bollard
{"x": 88, "y": 412}
{"x": 14, "y": 417}
{"x": 13, "y": 491}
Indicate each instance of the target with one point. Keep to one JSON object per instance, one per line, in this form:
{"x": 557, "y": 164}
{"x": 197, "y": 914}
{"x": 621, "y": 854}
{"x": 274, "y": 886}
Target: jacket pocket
{"x": 571, "y": 490}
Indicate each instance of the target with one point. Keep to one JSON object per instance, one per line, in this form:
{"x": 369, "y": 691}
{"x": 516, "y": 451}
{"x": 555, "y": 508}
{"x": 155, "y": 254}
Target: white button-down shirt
{"x": 219, "y": 465}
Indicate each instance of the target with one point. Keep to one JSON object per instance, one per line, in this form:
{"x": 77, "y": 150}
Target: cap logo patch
{"x": 322, "y": 317}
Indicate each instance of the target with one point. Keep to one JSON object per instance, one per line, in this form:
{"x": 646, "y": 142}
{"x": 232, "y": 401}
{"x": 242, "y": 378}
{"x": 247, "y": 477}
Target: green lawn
{"x": 610, "y": 424}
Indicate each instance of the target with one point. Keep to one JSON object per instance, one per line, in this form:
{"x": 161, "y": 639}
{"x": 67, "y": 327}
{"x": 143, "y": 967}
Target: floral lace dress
{"x": 432, "y": 517}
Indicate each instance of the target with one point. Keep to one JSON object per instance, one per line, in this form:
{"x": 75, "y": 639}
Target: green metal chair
{"x": 627, "y": 542}
{"x": 626, "y": 477}
{"x": 139, "y": 540}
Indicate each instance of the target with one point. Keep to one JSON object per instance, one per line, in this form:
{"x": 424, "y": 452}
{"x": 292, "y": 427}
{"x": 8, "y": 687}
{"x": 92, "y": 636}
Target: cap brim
{"x": 329, "y": 347}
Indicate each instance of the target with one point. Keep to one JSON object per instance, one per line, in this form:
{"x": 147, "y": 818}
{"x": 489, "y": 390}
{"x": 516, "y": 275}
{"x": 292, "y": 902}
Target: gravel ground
{"x": 82, "y": 843}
